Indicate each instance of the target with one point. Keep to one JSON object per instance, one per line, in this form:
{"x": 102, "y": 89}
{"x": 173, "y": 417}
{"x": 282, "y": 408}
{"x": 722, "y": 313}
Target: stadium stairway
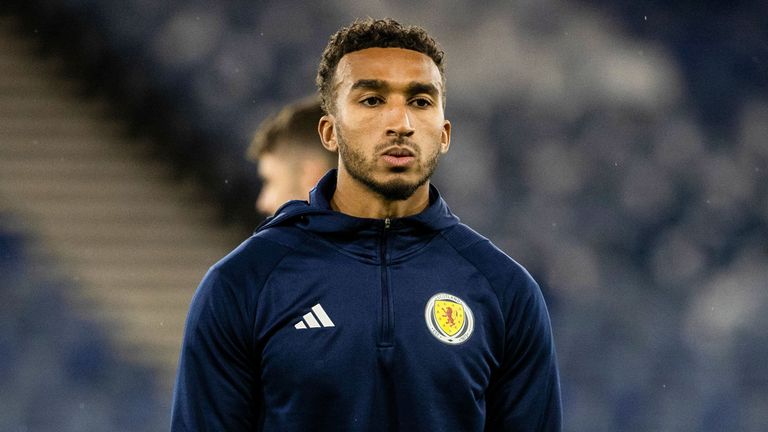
{"x": 136, "y": 239}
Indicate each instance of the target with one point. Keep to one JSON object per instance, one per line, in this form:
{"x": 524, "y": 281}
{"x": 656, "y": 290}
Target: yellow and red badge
{"x": 449, "y": 318}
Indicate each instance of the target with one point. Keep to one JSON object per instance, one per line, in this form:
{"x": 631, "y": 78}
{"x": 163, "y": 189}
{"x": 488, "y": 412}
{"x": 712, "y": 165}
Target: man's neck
{"x": 355, "y": 199}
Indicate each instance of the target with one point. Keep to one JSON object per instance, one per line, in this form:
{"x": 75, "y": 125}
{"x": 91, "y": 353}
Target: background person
{"x": 289, "y": 154}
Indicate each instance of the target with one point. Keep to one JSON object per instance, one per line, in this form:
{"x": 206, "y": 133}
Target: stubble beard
{"x": 362, "y": 170}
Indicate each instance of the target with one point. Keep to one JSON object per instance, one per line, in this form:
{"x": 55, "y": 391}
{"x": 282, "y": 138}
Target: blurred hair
{"x": 293, "y": 126}
{"x": 372, "y": 33}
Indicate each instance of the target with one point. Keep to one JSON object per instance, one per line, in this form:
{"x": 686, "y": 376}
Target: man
{"x": 289, "y": 154}
{"x": 370, "y": 308}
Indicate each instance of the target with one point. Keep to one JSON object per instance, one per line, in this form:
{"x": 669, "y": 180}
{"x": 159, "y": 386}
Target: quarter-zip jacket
{"x": 325, "y": 322}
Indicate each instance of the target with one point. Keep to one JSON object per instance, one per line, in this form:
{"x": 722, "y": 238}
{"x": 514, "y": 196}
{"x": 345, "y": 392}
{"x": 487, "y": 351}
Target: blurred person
{"x": 289, "y": 154}
{"x": 370, "y": 307}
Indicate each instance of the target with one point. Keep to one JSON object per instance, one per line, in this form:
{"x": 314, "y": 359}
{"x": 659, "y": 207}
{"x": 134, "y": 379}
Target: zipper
{"x": 386, "y": 331}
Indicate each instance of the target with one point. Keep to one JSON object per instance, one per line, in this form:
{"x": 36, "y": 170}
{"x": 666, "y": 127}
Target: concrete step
{"x": 144, "y": 298}
{"x": 17, "y": 82}
{"x": 136, "y": 232}
{"x": 85, "y": 211}
{"x": 24, "y": 146}
{"x": 126, "y": 285}
{"x": 152, "y": 324}
{"x": 52, "y": 166}
{"x": 134, "y": 240}
{"x": 88, "y": 188}
{"x": 168, "y": 254}
{"x": 46, "y": 106}
{"x": 75, "y": 127}
{"x": 154, "y": 277}
{"x": 70, "y": 188}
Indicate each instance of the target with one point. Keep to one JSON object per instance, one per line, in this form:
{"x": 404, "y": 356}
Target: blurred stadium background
{"x": 618, "y": 149}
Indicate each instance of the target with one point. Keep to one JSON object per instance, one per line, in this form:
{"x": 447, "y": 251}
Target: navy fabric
{"x": 245, "y": 365}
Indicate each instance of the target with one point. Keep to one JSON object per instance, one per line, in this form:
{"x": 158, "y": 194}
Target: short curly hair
{"x": 373, "y": 33}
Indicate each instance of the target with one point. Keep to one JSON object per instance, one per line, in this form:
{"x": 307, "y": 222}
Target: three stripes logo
{"x": 316, "y": 318}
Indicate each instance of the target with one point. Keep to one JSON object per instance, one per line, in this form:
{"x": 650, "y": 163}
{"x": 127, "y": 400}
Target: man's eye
{"x": 371, "y": 101}
{"x": 421, "y": 102}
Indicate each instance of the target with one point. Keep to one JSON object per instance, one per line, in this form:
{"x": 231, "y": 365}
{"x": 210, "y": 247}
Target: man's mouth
{"x": 398, "y": 152}
{"x": 398, "y": 156}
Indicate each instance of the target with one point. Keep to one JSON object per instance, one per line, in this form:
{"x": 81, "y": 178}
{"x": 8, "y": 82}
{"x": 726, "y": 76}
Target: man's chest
{"x": 342, "y": 329}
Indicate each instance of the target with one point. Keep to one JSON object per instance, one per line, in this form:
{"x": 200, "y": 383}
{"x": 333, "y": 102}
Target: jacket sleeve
{"x": 217, "y": 381}
{"x": 524, "y": 394}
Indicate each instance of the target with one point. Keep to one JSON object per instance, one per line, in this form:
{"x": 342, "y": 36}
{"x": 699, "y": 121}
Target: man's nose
{"x": 399, "y": 121}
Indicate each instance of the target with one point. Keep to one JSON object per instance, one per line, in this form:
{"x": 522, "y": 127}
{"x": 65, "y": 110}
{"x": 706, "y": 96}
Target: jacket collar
{"x": 362, "y": 237}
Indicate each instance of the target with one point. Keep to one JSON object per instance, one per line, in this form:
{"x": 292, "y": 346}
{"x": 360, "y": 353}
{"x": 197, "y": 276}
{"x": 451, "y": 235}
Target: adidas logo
{"x": 316, "y": 318}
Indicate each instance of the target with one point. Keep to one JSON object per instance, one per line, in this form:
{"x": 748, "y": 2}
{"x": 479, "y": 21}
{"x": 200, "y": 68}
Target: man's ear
{"x": 327, "y": 130}
{"x": 445, "y": 137}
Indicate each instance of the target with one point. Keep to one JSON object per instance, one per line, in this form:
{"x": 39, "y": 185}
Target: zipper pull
{"x": 387, "y": 223}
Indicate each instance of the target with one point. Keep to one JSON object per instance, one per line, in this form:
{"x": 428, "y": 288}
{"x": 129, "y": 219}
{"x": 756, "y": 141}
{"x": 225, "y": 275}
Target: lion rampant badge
{"x": 449, "y": 319}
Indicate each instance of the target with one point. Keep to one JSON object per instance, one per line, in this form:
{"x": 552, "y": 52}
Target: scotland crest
{"x": 449, "y": 319}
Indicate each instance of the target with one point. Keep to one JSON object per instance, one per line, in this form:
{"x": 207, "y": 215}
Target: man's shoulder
{"x": 497, "y": 266}
{"x": 260, "y": 252}
{"x": 469, "y": 242}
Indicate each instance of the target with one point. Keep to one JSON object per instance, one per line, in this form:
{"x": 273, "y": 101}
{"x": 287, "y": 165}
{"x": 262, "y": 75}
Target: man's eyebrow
{"x": 415, "y": 88}
{"x": 371, "y": 84}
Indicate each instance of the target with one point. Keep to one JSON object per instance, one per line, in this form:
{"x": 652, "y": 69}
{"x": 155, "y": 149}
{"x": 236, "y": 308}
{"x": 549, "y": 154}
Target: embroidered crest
{"x": 449, "y": 319}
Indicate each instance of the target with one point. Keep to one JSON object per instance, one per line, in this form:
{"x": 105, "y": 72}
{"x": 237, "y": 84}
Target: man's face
{"x": 389, "y": 125}
{"x": 280, "y": 182}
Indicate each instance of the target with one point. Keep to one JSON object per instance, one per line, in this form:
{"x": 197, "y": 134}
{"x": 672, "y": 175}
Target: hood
{"x": 363, "y": 237}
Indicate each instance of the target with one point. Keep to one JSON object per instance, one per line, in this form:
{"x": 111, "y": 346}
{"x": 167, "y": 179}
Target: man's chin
{"x": 396, "y": 189}
{"x": 391, "y": 185}
{"x": 398, "y": 169}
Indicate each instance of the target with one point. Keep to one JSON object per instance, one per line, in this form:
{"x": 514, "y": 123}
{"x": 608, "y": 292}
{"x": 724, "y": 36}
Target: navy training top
{"x": 326, "y": 322}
